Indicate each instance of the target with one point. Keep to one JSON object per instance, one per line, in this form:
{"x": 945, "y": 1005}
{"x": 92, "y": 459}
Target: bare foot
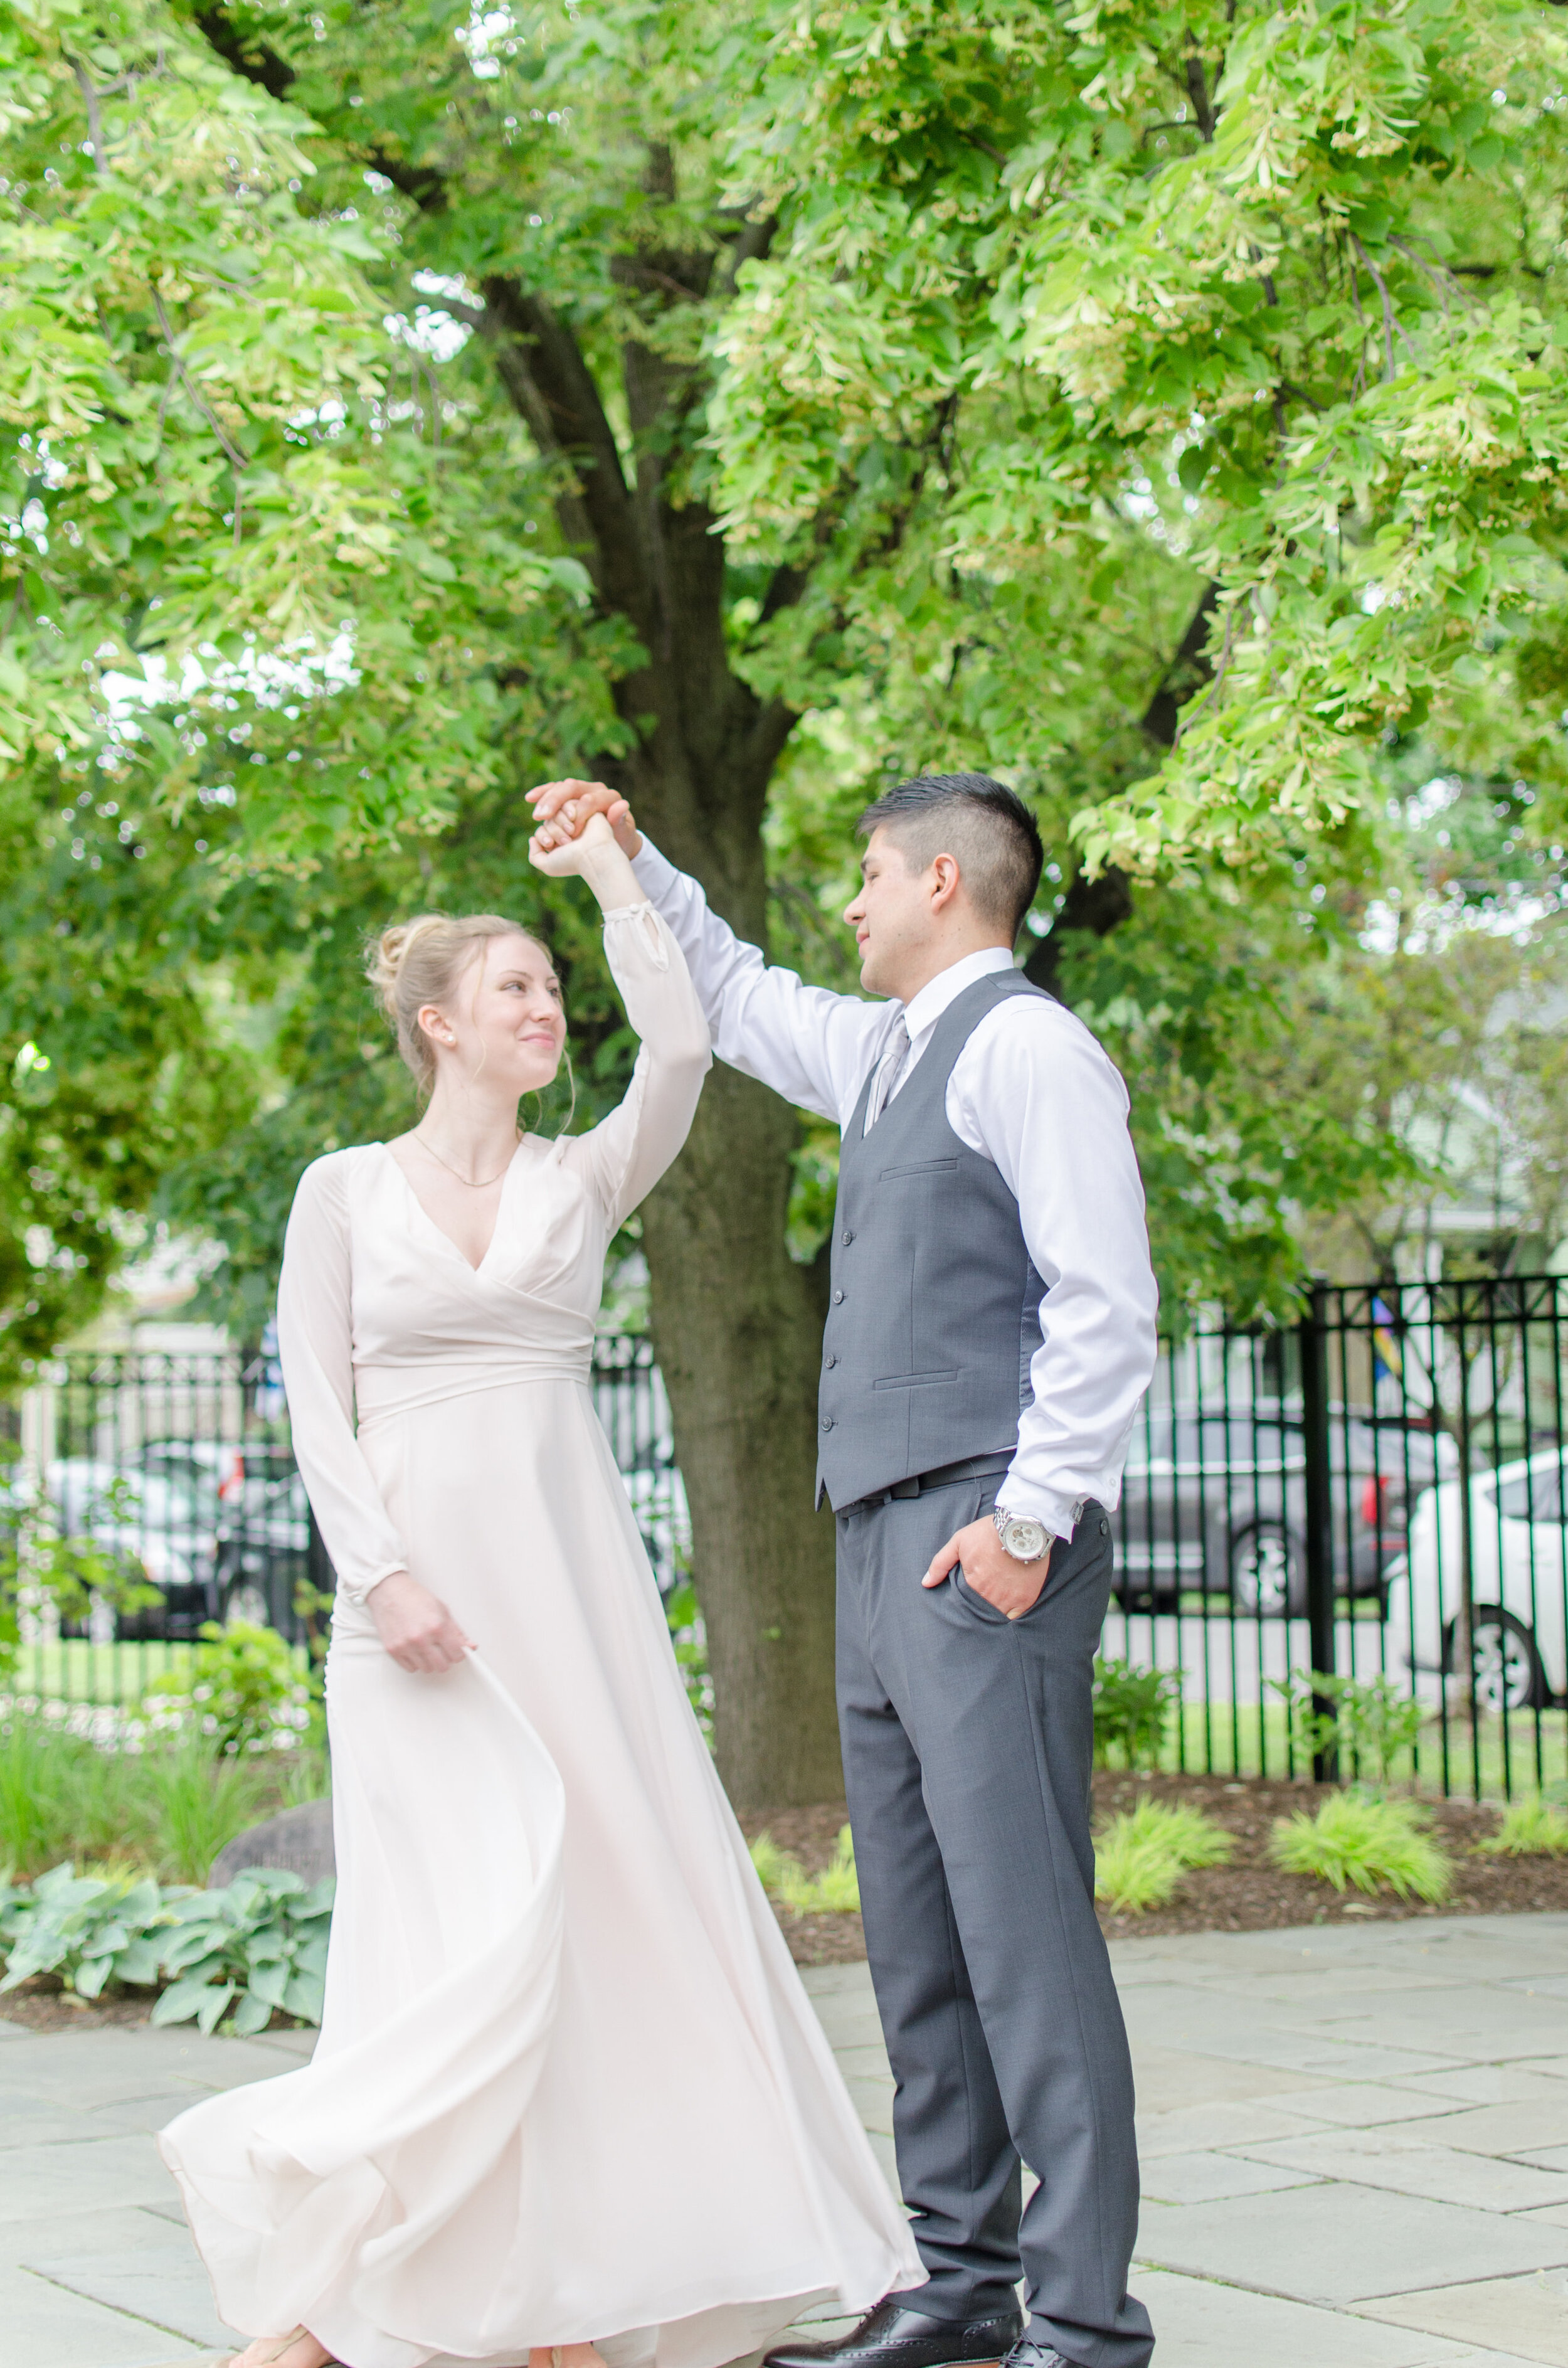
{"x": 299, "y": 2350}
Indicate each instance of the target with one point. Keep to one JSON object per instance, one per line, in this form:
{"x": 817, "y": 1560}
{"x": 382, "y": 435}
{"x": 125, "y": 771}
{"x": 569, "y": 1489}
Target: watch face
{"x": 1025, "y": 1539}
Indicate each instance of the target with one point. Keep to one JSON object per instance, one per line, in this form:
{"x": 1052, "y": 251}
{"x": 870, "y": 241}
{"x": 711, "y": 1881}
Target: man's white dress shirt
{"x": 1031, "y": 1091}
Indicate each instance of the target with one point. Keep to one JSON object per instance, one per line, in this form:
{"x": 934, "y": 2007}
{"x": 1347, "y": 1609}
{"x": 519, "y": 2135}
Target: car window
{"x": 1533, "y": 1496}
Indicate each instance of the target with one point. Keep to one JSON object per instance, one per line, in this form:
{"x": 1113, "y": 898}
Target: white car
{"x": 1519, "y": 1546}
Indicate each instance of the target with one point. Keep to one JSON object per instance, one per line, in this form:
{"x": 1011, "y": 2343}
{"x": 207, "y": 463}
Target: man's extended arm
{"x": 810, "y": 1045}
{"x": 1034, "y": 1090}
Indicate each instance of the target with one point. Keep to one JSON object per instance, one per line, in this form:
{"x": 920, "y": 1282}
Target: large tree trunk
{"x": 737, "y": 1324}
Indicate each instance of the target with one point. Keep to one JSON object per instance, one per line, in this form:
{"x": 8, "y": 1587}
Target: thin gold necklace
{"x": 474, "y": 1183}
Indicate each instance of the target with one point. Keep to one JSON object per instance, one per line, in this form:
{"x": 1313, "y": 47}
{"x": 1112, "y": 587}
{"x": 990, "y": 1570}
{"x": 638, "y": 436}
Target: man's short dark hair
{"x": 985, "y": 825}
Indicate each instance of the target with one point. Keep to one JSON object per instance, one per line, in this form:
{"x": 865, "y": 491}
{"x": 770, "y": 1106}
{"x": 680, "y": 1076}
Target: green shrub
{"x": 238, "y": 1953}
{"x": 833, "y": 1892}
{"x": 245, "y": 1691}
{"x": 1132, "y": 1709}
{"x": 1370, "y": 1722}
{"x": 1141, "y": 1858}
{"x": 1534, "y": 1828}
{"x": 1374, "y": 1844}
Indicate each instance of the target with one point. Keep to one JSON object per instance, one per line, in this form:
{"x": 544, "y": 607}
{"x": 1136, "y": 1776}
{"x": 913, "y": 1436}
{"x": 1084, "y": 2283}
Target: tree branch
{"x": 236, "y": 459}
{"x": 1162, "y": 718}
{"x": 1197, "y": 91}
{"x": 246, "y": 55}
{"x": 751, "y": 244}
{"x": 1391, "y": 321}
{"x": 542, "y": 369}
{"x": 95, "y": 118}
{"x": 1102, "y": 904}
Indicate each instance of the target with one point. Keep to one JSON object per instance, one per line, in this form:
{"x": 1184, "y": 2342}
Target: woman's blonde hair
{"x": 424, "y": 961}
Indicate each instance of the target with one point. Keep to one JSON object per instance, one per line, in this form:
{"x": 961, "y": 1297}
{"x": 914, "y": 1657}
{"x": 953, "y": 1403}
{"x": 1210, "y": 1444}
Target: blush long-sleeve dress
{"x": 568, "y": 2085}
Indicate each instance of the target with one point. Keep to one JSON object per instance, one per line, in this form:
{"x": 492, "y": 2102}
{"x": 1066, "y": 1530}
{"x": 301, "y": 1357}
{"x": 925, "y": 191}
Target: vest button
{"x": 833, "y": 1357}
{"x": 839, "y": 1299}
{"x": 848, "y": 1236}
{"x": 827, "y": 1422}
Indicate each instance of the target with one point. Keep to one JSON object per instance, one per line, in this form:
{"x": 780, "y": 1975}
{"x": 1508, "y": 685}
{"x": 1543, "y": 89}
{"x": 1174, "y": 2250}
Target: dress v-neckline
{"x": 439, "y": 1231}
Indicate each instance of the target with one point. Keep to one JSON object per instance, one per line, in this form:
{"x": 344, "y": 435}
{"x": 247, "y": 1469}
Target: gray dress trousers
{"x": 968, "y": 1748}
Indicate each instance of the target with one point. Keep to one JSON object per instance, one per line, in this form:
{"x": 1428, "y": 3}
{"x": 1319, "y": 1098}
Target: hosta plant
{"x": 86, "y": 1929}
{"x": 259, "y": 1944}
{"x": 228, "y": 1957}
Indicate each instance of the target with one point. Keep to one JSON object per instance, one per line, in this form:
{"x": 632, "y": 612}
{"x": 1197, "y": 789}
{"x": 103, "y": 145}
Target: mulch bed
{"x": 1250, "y": 1895}
{"x": 41, "y": 2005}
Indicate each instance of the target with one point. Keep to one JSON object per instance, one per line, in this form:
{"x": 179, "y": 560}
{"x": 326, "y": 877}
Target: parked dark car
{"x": 1215, "y": 1504}
{"x": 263, "y": 1522}
{"x": 263, "y": 1543}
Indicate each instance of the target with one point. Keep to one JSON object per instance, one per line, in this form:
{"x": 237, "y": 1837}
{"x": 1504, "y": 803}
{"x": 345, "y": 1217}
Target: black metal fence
{"x": 163, "y": 1489}
{"x": 1376, "y": 1496}
{"x": 1365, "y": 1515}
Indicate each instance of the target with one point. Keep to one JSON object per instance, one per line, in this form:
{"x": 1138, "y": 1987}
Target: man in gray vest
{"x": 990, "y": 1335}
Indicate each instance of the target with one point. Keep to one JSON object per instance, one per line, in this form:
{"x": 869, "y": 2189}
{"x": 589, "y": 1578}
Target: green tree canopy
{"x": 399, "y": 401}
{"x": 1276, "y": 290}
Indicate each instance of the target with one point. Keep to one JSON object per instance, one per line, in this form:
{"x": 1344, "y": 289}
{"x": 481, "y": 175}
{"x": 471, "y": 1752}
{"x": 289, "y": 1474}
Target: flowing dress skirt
{"x": 568, "y": 2086}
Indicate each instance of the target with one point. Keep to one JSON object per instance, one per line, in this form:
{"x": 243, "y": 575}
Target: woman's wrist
{"x": 609, "y": 873}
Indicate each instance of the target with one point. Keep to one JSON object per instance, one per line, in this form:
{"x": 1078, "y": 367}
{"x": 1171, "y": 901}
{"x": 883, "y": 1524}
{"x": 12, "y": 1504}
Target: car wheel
{"x": 1508, "y": 1675}
{"x": 246, "y": 1600}
{"x": 1268, "y": 1580}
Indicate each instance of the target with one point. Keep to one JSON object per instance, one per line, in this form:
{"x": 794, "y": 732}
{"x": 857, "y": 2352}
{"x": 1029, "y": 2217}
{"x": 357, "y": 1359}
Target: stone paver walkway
{"x": 1354, "y": 2153}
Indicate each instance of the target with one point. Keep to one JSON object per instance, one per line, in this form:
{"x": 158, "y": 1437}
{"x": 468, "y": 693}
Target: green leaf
{"x": 252, "y": 2014}
{"x": 211, "y": 2012}
{"x": 184, "y": 1999}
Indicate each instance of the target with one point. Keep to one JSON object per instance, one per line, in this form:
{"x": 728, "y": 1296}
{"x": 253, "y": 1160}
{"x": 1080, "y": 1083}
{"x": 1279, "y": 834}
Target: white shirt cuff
{"x": 1061, "y": 1514}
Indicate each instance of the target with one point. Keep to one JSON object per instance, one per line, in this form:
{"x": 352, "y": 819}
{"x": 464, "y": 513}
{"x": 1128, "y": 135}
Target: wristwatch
{"x": 1023, "y": 1537}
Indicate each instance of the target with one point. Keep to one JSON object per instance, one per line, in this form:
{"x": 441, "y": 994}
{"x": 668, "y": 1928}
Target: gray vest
{"x": 935, "y": 1313}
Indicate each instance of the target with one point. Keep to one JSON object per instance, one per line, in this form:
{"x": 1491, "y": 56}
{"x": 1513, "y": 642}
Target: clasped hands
{"x": 563, "y": 810}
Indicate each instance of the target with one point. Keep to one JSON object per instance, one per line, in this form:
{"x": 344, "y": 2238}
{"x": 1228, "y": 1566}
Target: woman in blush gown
{"x": 569, "y": 2094}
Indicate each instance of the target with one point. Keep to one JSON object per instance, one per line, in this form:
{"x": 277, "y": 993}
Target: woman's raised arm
{"x": 624, "y": 1156}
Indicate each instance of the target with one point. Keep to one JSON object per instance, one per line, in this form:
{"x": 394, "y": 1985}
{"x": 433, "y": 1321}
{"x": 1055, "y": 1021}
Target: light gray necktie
{"x": 890, "y": 1069}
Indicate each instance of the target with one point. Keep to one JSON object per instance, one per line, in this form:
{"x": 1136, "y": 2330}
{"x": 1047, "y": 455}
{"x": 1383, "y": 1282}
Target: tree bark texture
{"x": 737, "y": 1324}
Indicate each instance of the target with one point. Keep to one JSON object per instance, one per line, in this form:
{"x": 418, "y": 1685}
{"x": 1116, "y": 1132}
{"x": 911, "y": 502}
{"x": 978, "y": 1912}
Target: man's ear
{"x": 948, "y": 882}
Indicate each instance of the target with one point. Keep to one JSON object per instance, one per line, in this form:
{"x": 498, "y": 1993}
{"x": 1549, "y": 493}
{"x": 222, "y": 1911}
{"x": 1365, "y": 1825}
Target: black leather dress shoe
{"x": 1026, "y": 2353}
{"x": 894, "y": 2335}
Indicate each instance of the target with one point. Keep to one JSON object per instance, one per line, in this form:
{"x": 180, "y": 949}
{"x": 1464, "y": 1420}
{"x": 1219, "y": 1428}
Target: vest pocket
{"x": 914, "y": 1381}
{"x": 920, "y": 1167}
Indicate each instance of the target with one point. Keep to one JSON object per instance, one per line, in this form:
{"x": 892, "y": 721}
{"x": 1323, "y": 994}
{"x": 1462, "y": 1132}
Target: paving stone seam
{"x": 121, "y": 2309}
